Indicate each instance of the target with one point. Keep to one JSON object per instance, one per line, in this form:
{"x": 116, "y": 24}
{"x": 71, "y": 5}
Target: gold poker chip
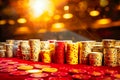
{"x": 34, "y": 71}
{"x": 50, "y": 69}
{"x": 25, "y": 67}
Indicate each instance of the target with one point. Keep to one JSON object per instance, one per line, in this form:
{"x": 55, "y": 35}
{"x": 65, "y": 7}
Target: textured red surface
{"x": 106, "y": 72}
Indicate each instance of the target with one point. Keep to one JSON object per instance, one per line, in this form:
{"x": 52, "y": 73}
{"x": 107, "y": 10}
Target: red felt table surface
{"x": 62, "y": 67}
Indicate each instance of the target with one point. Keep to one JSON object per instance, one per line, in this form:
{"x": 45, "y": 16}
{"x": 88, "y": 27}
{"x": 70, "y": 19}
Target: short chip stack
{"x": 85, "y": 48}
{"x": 95, "y": 58}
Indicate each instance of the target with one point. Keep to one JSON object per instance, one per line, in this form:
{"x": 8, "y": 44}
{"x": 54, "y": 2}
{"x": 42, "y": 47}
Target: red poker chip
{"x": 4, "y": 61}
{"x": 111, "y": 72}
{"x": 7, "y": 70}
{"x": 3, "y": 64}
{"x": 10, "y": 67}
{"x": 41, "y": 66}
{"x": 20, "y": 64}
{"x": 38, "y": 75}
{"x": 34, "y": 79}
{"x": 18, "y": 73}
{"x": 12, "y": 62}
{"x": 59, "y": 73}
{"x": 77, "y": 71}
{"x": 81, "y": 76}
{"x": 96, "y": 73}
{"x": 60, "y": 78}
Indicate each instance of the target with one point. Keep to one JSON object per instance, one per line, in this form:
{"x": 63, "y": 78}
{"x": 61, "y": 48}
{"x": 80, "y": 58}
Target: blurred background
{"x": 60, "y": 19}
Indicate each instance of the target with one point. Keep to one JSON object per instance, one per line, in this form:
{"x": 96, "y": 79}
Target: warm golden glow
{"x": 94, "y": 13}
{"x": 11, "y": 22}
{"x": 57, "y": 25}
{"x": 103, "y": 21}
{"x": 22, "y": 30}
{"x": 67, "y": 15}
{"x": 104, "y": 3}
{"x": 42, "y": 31}
{"x": 38, "y": 7}
{"x": 21, "y": 20}
{"x": 66, "y": 8}
{"x": 57, "y": 17}
{"x": 2, "y": 22}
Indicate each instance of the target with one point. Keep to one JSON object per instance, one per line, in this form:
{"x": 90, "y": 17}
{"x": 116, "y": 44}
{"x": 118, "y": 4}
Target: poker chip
{"x": 117, "y": 76}
{"x": 20, "y": 64}
{"x": 59, "y": 73}
{"x": 37, "y": 75}
{"x": 41, "y": 66}
{"x": 12, "y": 62}
{"x": 96, "y": 73}
{"x": 81, "y": 76}
{"x": 110, "y": 72}
{"x": 59, "y": 78}
{"x": 4, "y": 61}
{"x": 18, "y": 73}
{"x": 25, "y": 67}
{"x": 49, "y": 69}
{"x": 10, "y": 67}
{"x": 77, "y": 71}
{"x": 3, "y": 64}
{"x": 7, "y": 70}
{"x": 34, "y": 71}
{"x": 34, "y": 79}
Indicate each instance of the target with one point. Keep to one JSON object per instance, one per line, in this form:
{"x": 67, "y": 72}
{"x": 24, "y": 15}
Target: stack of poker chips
{"x": 118, "y": 55}
{"x": 95, "y": 58}
{"x": 35, "y": 49}
{"x": 59, "y": 52}
{"x": 9, "y": 50}
{"x": 84, "y": 49}
{"x": 44, "y": 45}
{"x": 72, "y": 53}
{"x": 98, "y": 47}
{"x": 25, "y": 49}
{"x": 110, "y": 52}
{"x": 2, "y": 50}
{"x": 52, "y": 49}
{"x": 45, "y": 55}
{"x": 10, "y": 41}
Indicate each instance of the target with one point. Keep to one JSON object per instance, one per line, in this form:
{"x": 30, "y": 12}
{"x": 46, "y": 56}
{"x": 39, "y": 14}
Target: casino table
{"x": 10, "y": 70}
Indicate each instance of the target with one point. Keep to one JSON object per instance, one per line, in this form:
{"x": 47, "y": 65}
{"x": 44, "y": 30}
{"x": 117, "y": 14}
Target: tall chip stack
{"x": 25, "y": 49}
{"x": 45, "y": 55}
{"x": 60, "y": 52}
{"x": 52, "y": 49}
{"x": 35, "y": 49}
{"x": 110, "y": 52}
{"x": 72, "y": 53}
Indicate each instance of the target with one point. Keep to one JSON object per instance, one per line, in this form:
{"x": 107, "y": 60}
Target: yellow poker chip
{"x": 25, "y": 67}
{"x": 50, "y": 69}
{"x": 34, "y": 71}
